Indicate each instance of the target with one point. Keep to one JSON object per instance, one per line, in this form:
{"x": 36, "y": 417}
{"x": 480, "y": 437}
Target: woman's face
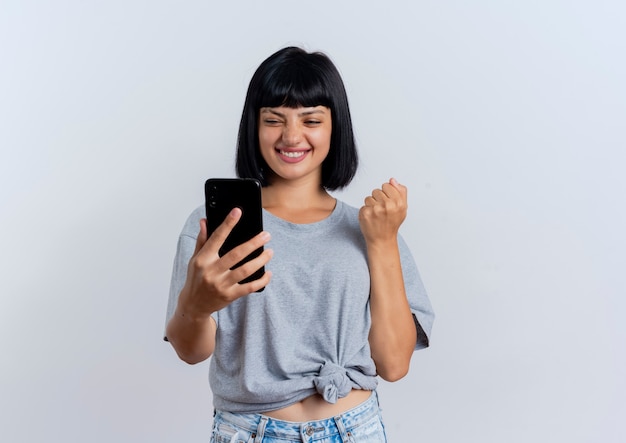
{"x": 295, "y": 141}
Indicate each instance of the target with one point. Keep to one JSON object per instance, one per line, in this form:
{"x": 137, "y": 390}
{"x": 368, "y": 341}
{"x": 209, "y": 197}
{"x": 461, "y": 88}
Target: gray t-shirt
{"x": 307, "y": 332}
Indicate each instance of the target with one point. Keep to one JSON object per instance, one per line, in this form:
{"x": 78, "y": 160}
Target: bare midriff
{"x": 316, "y": 408}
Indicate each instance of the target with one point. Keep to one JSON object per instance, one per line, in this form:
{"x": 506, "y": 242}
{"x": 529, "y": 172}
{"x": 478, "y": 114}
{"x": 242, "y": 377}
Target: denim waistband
{"x": 271, "y": 427}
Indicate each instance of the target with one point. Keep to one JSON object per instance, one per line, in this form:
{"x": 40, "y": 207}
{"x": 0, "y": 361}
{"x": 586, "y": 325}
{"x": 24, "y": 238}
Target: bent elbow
{"x": 189, "y": 354}
{"x": 393, "y": 371}
{"x": 394, "y": 374}
{"x": 192, "y": 347}
{"x": 191, "y": 360}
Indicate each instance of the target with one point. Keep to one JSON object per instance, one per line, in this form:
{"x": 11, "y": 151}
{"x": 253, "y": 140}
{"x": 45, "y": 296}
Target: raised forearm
{"x": 392, "y": 335}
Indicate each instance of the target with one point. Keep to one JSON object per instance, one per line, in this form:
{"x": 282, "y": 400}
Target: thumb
{"x": 400, "y": 187}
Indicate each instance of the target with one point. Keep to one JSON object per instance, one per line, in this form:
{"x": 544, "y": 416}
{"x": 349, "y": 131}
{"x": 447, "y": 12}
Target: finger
{"x": 240, "y": 252}
{"x": 390, "y": 191}
{"x": 253, "y": 286}
{"x": 218, "y": 237}
{"x": 247, "y": 269}
{"x": 379, "y": 194}
{"x": 395, "y": 190}
{"x": 400, "y": 187}
{"x": 369, "y": 201}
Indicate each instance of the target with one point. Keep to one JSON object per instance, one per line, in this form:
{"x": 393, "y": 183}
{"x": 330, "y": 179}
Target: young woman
{"x": 343, "y": 300}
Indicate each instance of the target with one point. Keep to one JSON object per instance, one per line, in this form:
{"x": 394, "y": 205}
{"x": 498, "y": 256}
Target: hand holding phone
{"x": 222, "y": 195}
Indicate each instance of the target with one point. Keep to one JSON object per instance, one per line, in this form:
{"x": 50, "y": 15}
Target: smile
{"x": 289, "y": 156}
{"x": 293, "y": 154}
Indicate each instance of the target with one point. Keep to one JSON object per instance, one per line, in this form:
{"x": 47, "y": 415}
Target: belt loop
{"x": 260, "y": 430}
{"x": 345, "y": 435}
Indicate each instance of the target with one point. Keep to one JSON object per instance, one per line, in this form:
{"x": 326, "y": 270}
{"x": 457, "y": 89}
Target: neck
{"x": 298, "y": 202}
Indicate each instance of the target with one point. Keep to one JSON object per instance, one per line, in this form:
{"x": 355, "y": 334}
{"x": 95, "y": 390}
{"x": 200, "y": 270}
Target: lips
{"x": 292, "y": 155}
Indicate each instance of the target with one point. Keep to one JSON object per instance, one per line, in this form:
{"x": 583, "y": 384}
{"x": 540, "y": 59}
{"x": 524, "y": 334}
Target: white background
{"x": 505, "y": 119}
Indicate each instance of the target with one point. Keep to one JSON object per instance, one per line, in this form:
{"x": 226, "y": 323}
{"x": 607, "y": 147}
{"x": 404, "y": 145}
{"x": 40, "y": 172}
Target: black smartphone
{"x": 222, "y": 195}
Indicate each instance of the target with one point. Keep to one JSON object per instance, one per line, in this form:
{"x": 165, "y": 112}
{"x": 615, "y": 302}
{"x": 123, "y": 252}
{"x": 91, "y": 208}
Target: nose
{"x": 292, "y": 135}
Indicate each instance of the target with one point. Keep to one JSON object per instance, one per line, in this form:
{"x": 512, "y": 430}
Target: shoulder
{"x": 191, "y": 226}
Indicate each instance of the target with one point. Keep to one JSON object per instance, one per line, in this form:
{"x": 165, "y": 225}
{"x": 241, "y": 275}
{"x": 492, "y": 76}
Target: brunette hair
{"x": 293, "y": 77}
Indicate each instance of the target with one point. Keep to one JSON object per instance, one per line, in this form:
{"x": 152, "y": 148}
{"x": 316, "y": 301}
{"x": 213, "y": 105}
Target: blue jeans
{"x": 362, "y": 424}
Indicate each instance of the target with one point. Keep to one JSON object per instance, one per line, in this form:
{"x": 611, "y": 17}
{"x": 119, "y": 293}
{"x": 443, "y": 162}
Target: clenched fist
{"x": 383, "y": 213}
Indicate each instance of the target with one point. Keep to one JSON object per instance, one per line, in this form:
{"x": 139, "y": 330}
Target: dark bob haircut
{"x": 293, "y": 77}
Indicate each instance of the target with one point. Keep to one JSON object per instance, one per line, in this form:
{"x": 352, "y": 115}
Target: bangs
{"x": 293, "y": 87}
{"x": 294, "y": 78}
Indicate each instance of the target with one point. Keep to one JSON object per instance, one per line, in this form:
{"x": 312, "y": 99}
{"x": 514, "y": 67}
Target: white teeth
{"x": 293, "y": 154}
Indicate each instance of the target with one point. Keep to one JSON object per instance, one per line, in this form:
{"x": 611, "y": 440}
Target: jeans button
{"x": 309, "y": 430}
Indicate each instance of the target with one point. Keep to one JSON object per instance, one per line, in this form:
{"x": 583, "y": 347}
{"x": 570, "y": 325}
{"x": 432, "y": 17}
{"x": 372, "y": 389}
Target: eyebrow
{"x": 301, "y": 114}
